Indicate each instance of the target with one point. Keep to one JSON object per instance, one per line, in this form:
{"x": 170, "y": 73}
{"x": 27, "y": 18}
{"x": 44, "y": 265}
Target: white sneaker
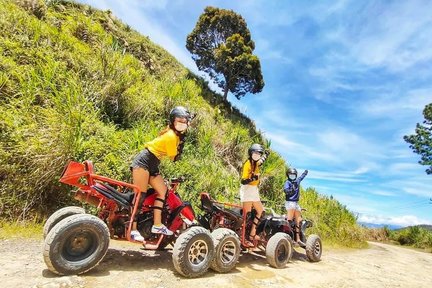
{"x": 136, "y": 236}
{"x": 161, "y": 230}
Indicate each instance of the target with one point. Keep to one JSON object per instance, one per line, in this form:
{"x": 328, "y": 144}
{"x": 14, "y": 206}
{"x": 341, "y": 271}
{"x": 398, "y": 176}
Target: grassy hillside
{"x": 76, "y": 83}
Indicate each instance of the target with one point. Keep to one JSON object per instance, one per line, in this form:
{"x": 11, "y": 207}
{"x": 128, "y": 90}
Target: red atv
{"x": 76, "y": 242}
{"x": 276, "y": 233}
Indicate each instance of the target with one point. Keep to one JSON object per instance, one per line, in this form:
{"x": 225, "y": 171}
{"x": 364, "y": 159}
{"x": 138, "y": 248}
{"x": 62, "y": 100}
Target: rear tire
{"x": 59, "y": 215}
{"x": 279, "y": 250}
{"x": 227, "y": 246}
{"x": 313, "y": 248}
{"x": 76, "y": 244}
{"x": 193, "y": 252}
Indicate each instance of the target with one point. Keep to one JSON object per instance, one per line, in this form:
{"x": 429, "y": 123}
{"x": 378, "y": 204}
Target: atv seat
{"x": 123, "y": 199}
{"x": 235, "y": 212}
{"x": 210, "y": 205}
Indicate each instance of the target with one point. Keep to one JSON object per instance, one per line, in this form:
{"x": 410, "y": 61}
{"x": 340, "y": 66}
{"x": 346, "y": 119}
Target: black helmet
{"x": 179, "y": 112}
{"x": 291, "y": 171}
{"x": 255, "y": 148}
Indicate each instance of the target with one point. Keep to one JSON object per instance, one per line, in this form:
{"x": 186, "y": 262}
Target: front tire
{"x": 227, "y": 246}
{"x": 59, "y": 215}
{"x": 76, "y": 244}
{"x": 279, "y": 250}
{"x": 313, "y": 248}
{"x": 193, "y": 252}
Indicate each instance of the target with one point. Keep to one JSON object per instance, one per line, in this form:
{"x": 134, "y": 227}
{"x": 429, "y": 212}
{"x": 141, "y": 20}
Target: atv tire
{"x": 76, "y": 244}
{"x": 313, "y": 248}
{"x": 193, "y": 252}
{"x": 227, "y": 246}
{"x": 279, "y": 250}
{"x": 59, "y": 215}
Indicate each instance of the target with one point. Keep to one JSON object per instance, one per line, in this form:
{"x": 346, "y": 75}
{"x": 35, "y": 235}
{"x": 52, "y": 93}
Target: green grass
{"x": 77, "y": 83}
{"x": 20, "y": 230}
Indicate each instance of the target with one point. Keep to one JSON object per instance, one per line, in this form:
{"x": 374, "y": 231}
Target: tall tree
{"x": 421, "y": 141}
{"x": 221, "y": 46}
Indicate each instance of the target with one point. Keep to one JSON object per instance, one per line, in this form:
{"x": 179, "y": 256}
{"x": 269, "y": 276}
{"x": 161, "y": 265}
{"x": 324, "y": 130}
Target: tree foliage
{"x": 221, "y": 46}
{"x": 421, "y": 141}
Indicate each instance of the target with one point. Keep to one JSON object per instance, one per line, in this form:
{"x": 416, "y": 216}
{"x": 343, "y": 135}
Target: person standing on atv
{"x": 145, "y": 166}
{"x": 292, "y": 196}
{"x": 249, "y": 194}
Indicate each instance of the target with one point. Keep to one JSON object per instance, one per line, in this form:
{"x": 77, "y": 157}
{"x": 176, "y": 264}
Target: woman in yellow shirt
{"x": 145, "y": 166}
{"x": 249, "y": 194}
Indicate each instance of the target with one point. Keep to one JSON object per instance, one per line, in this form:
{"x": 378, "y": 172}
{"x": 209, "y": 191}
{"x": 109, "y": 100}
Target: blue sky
{"x": 345, "y": 80}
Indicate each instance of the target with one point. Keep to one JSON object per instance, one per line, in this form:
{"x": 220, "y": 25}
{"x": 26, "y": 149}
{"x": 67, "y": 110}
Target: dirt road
{"x": 125, "y": 265}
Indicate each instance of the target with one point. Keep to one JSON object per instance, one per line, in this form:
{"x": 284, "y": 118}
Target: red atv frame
{"x": 276, "y": 233}
{"x": 76, "y": 242}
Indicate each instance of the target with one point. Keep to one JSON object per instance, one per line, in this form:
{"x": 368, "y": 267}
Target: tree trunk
{"x": 226, "y": 92}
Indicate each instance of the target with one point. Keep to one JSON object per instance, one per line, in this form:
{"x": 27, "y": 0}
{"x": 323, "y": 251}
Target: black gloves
{"x": 247, "y": 181}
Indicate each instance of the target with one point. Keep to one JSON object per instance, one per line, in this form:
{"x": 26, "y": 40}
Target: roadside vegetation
{"x": 413, "y": 236}
{"x": 24, "y": 229}
{"x": 76, "y": 83}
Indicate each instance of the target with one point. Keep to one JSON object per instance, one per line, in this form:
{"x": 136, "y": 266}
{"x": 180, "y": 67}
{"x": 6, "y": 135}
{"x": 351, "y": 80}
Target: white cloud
{"x": 403, "y": 168}
{"x": 422, "y": 190}
{"x": 349, "y": 148}
{"x": 348, "y": 177}
{"x": 396, "y": 105}
{"x": 361, "y": 170}
{"x": 392, "y": 35}
{"x": 340, "y": 141}
{"x": 357, "y": 201}
{"x": 287, "y": 147}
{"x": 403, "y": 220}
{"x": 411, "y": 184}
{"x": 382, "y": 192}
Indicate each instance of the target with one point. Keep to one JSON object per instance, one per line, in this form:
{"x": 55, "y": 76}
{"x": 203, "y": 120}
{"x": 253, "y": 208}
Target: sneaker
{"x": 162, "y": 229}
{"x": 136, "y": 236}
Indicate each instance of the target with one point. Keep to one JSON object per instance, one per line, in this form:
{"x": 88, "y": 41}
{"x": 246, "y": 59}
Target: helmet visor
{"x": 292, "y": 176}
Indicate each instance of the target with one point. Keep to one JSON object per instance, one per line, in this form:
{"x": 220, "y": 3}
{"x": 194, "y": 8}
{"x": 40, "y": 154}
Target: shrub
{"x": 36, "y": 7}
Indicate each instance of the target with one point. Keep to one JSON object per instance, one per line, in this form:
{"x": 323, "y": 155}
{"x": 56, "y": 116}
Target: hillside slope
{"x": 79, "y": 84}
{"x": 76, "y": 83}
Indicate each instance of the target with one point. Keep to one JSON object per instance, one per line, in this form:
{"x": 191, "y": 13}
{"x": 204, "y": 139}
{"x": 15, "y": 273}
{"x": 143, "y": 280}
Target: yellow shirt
{"x": 247, "y": 172}
{"x": 164, "y": 145}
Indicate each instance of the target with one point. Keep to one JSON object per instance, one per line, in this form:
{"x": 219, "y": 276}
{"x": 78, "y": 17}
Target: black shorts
{"x": 147, "y": 160}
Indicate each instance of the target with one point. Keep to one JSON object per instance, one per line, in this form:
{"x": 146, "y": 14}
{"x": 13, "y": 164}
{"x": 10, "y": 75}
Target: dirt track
{"x": 125, "y": 265}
